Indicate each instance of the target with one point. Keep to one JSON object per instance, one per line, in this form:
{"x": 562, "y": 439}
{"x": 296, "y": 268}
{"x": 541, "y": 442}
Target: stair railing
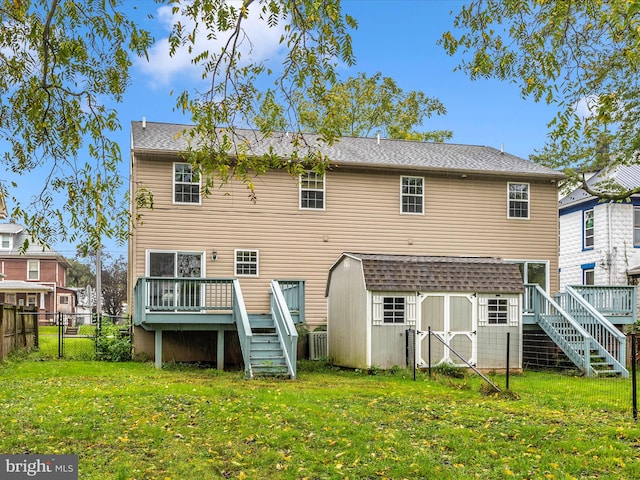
{"x": 285, "y": 327}
{"x": 612, "y": 344}
{"x": 565, "y": 332}
{"x": 241, "y": 319}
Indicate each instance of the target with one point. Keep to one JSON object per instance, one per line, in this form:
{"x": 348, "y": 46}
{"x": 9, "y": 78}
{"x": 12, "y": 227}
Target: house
{"x": 192, "y": 258}
{"x": 35, "y": 277}
{"x": 600, "y": 240}
{"x": 472, "y": 304}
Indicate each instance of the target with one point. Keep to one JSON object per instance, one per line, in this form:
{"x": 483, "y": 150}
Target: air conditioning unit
{"x": 317, "y": 345}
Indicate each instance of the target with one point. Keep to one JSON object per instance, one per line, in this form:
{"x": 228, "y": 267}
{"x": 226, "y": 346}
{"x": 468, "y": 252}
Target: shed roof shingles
{"x": 414, "y": 273}
{"x": 166, "y": 137}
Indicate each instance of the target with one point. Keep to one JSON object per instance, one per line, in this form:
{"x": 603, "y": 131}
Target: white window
{"x": 10, "y": 298}
{"x": 312, "y": 191}
{"x": 518, "y": 194}
{"x": 412, "y": 195}
{"x": 393, "y": 309}
{"x": 33, "y": 270}
{"x": 588, "y": 229}
{"x": 246, "y": 263}
{"x": 31, "y": 300}
{"x": 64, "y": 300}
{"x": 186, "y": 184}
{"x": 5, "y": 241}
{"x": 497, "y": 311}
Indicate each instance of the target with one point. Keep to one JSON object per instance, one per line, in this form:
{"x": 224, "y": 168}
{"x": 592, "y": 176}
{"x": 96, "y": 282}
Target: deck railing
{"x": 284, "y": 326}
{"x": 187, "y": 294}
{"x": 610, "y": 300}
{"x": 565, "y": 332}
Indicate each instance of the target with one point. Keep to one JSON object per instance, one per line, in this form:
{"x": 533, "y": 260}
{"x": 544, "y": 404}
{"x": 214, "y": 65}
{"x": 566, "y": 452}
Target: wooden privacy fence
{"x": 18, "y": 329}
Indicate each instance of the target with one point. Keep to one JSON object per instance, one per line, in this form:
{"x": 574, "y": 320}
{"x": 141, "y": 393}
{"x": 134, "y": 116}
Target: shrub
{"x": 113, "y": 344}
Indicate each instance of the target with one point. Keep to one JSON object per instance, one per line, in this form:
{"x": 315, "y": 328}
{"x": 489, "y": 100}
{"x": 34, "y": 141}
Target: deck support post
{"x": 158, "y": 349}
{"x": 220, "y": 350}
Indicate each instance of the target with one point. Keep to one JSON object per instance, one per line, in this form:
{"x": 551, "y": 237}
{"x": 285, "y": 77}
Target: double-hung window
{"x": 312, "y": 191}
{"x": 588, "y": 230}
{"x": 497, "y": 311}
{"x": 393, "y": 310}
{"x": 412, "y": 195}
{"x": 518, "y": 194}
{"x": 246, "y": 263}
{"x": 186, "y": 184}
{"x": 5, "y": 241}
{"x": 33, "y": 270}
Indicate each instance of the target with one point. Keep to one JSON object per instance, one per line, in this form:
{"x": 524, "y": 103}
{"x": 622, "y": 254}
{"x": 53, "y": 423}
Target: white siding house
{"x": 600, "y": 240}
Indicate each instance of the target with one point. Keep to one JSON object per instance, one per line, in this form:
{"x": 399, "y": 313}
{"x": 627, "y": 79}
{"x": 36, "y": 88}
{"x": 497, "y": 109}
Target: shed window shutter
{"x": 411, "y": 310}
{"x": 377, "y": 309}
{"x": 514, "y": 311}
{"x": 482, "y": 312}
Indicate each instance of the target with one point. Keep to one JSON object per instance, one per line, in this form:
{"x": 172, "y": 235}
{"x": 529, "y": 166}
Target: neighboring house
{"x": 36, "y": 277}
{"x": 600, "y": 240}
{"x": 380, "y": 196}
{"x": 470, "y": 303}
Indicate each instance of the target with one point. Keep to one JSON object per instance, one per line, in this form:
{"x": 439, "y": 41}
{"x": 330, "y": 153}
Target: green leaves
{"x": 566, "y": 54}
{"x": 59, "y": 61}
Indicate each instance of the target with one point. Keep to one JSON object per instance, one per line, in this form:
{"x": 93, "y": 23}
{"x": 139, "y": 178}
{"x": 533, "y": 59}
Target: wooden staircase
{"x": 267, "y": 355}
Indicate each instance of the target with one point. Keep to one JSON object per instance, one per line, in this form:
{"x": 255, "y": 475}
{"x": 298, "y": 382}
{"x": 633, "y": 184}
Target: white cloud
{"x": 260, "y": 45}
{"x": 587, "y": 107}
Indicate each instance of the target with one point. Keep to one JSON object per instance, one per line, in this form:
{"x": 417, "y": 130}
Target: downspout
{"x": 609, "y": 246}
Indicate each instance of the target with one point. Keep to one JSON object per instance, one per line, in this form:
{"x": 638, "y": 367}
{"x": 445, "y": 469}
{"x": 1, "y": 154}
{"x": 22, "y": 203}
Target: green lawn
{"x": 131, "y": 421}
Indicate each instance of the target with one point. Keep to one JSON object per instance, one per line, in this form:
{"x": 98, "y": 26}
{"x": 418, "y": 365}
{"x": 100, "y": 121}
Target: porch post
{"x": 220, "y": 350}
{"x": 158, "y": 350}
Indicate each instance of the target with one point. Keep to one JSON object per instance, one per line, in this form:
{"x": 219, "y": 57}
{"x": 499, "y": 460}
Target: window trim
{"x": 509, "y": 200}
{"x": 235, "y": 262}
{"x": 402, "y": 195}
{"x": 10, "y": 242}
{"x": 501, "y": 307}
{"x": 323, "y": 190}
{"x": 174, "y": 182}
{"x": 31, "y": 296}
{"x": 584, "y": 229}
{"x": 394, "y": 311}
{"x": 203, "y": 261}
{"x": 588, "y": 267}
{"x": 37, "y": 262}
{"x": 10, "y": 298}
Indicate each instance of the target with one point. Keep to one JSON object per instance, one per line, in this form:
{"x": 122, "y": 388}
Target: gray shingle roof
{"x": 413, "y": 273}
{"x": 628, "y": 176}
{"x": 35, "y": 249}
{"x": 167, "y": 138}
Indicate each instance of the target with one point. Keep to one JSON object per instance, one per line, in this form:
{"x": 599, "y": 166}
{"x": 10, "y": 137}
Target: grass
{"x": 131, "y": 421}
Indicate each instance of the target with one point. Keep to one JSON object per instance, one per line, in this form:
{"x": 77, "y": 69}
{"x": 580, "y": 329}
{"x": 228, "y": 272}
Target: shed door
{"x": 453, "y": 320}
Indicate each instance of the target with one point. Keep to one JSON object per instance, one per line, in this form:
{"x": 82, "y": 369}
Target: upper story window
{"x": 588, "y": 230}
{"x": 393, "y": 309}
{"x": 497, "y": 311}
{"x": 186, "y": 184}
{"x": 246, "y": 263}
{"x": 312, "y": 191}
{"x": 518, "y": 200}
{"x": 5, "y": 241}
{"x": 33, "y": 270}
{"x": 636, "y": 226}
{"x": 412, "y": 195}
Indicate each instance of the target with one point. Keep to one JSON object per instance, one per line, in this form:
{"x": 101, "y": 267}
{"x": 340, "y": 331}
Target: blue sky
{"x": 395, "y": 37}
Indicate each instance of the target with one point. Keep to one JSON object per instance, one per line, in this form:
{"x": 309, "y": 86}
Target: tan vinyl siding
{"x": 462, "y": 216}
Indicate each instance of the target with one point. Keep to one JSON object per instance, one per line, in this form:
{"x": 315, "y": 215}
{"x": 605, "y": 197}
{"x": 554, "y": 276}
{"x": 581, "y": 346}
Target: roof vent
{"x": 144, "y": 122}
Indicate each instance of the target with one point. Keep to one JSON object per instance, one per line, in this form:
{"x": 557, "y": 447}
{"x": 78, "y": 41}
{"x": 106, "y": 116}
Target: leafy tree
{"x": 114, "y": 286}
{"x": 80, "y": 274}
{"x": 60, "y": 62}
{"x": 580, "y": 55}
{"x": 362, "y": 106}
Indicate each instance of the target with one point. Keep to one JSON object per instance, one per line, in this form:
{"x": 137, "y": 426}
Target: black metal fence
{"x": 544, "y": 368}
{"x": 85, "y": 336}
